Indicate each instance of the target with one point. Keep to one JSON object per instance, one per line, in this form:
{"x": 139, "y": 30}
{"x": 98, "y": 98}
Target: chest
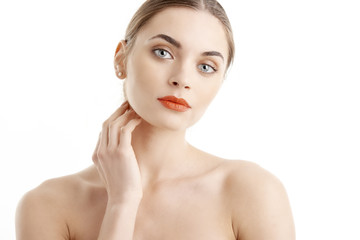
{"x": 174, "y": 211}
{"x": 183, "y": 213}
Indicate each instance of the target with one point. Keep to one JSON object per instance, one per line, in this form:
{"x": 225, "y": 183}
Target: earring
{"x": 119, "y": 74}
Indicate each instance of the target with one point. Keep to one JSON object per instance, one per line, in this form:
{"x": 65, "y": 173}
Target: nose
{"x": 179, "y": 84}
{"x": 179, "y": 80}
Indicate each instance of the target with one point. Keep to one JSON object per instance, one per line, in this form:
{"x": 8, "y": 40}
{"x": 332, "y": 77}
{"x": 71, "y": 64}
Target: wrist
{"x": 127, "y": 200}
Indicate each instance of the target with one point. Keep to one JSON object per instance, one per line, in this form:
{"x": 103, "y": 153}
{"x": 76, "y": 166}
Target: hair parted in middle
{"x": 151, "y": 7}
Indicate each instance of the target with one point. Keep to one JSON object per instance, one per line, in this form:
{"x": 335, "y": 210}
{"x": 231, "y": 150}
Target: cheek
{"x": 208, "y": 93}
{"x": 142, "y": 84}
{"x": 146, "y": 77}
{"x": 204, "y": 97}
{"x": 137, "y": 80}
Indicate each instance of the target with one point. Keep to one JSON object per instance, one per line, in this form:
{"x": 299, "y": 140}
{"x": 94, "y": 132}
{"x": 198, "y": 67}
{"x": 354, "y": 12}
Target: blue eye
{"x": 206, "y": 68}
{"x": 161, "y": 53}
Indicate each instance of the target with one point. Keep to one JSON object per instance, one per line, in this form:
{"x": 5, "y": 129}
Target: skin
{"x": 147, "y": 182}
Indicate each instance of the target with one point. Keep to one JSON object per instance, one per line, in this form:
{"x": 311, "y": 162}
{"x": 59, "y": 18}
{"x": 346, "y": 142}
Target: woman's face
{"x": 180, "y": 52}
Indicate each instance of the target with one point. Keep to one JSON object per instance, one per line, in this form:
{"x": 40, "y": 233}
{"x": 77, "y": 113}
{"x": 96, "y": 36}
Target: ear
{"x": 119, "y": 60}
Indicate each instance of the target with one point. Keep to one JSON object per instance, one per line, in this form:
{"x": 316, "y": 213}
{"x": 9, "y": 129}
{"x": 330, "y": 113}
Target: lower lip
{"x": 174, "y": 106}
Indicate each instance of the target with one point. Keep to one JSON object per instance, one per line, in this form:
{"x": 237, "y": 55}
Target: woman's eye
{"x": 206, "y": 68}
{"x": 161, "y": 53}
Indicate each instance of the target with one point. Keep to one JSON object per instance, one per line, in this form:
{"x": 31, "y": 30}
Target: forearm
{"x": 119, "y": 221}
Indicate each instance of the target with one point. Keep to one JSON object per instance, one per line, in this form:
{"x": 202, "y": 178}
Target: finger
{"x": 114, "y": 129}
{"x": 126, "y": 131}
{"x": 95, "y": 157}
{"x": 120, "y": 111}
{"x": 105, "y": 128}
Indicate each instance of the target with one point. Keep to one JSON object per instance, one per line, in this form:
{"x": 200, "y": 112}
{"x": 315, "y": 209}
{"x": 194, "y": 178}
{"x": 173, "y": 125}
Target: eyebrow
{"x": 168, "y": 39}
{"x": 213, "y": 53}
{"x": 177, "y": 44}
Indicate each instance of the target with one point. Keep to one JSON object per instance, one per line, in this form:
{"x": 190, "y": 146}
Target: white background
{"x": 290, "y": 103}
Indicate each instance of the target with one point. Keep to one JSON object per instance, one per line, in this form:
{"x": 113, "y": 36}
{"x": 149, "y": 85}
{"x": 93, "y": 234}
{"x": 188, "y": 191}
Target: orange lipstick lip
{"x": 174, "y": 103}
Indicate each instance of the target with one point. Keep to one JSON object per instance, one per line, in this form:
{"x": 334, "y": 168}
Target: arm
{"x": 119, "y": 221}
{"x": 262, "y": 209}
{"x": 38, "y": 217}
{"x": 116, "y": 163}
{"x": 43, "y": 212}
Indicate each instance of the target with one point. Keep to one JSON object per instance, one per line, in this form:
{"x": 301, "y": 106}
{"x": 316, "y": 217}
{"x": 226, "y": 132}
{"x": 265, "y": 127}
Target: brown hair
{"x": 151, "y": 7}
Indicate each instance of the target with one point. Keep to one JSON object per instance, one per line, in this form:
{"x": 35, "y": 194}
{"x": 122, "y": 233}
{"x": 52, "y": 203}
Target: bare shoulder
{"x": 244, "y": 174}
{"x": 43, "y": 212}
{"x": 258, "y": 201}
{"x": 244, "y": 180}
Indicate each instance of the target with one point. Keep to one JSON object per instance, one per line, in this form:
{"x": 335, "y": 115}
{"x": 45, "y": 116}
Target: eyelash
{"x": 158, "y": 50}
{"x": 213, "y": 68}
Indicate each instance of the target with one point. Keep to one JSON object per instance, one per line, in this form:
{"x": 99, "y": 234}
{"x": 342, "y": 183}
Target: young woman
{"x": 147, "y": 182}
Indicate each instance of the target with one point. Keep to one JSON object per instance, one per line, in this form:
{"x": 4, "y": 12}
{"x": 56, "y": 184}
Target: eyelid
{"x": 212, "y": 67}
{"x": 213, "y": 64}
{"x": 162, "y": 49}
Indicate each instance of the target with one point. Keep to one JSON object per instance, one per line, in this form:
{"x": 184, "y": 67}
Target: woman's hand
{"x": 115, "y": 159}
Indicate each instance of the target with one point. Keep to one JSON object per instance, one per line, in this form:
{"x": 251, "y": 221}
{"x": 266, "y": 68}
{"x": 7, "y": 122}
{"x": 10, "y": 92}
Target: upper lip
{"x": 175, "y": 100}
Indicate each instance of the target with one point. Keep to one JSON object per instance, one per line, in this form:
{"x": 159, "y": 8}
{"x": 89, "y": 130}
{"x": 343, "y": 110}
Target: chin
{"x": 159, "y": 117}
{"x": 168, "y": 120}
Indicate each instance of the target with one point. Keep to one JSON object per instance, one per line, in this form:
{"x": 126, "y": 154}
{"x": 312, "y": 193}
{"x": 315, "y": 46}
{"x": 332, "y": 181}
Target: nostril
{"x": 175, "y": 83}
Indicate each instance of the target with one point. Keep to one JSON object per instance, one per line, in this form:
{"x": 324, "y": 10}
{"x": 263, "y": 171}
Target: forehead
{"x": 192, "y": 28}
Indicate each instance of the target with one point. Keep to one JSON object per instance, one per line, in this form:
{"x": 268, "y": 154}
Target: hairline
{"x": 150, "y": 8}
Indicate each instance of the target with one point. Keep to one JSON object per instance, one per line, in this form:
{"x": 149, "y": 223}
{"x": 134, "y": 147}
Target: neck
{"x": 161, "y": 154}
